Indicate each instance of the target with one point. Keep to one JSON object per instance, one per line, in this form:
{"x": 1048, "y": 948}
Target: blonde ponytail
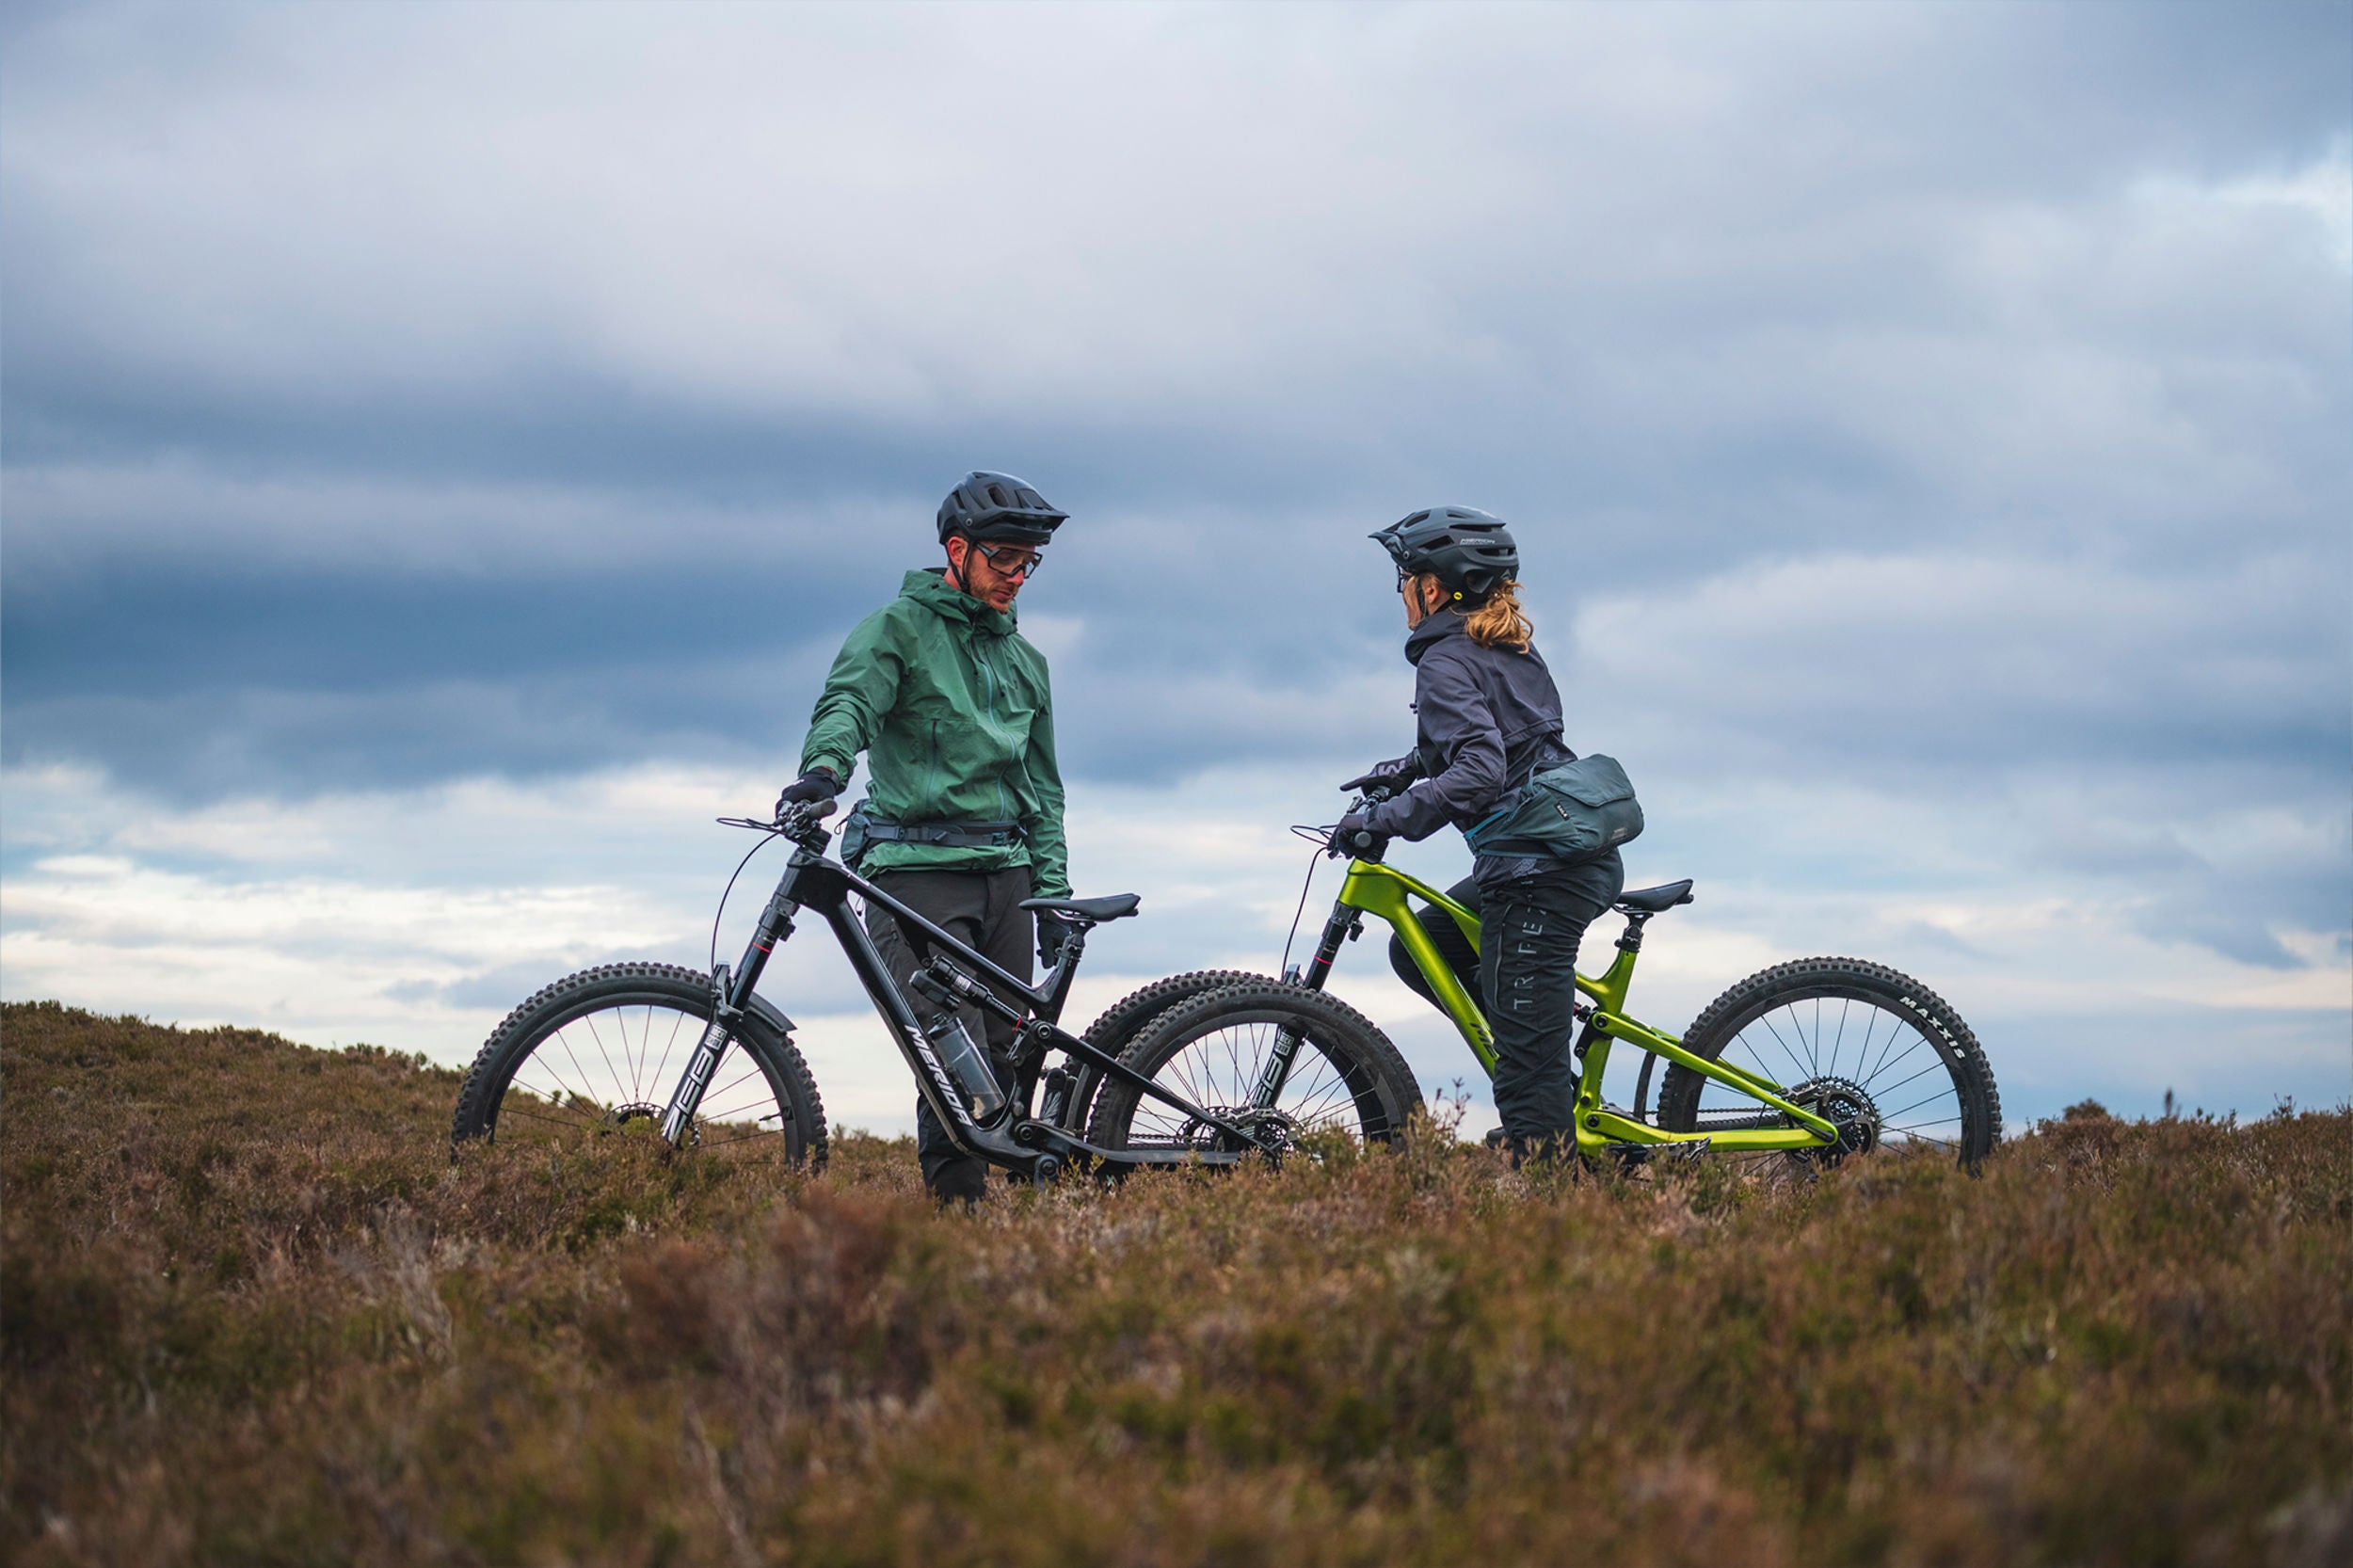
{"x": 1500, "y": 622}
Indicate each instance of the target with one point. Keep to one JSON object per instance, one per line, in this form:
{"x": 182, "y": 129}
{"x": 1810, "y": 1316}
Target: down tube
{"x": 1381, "y": 892}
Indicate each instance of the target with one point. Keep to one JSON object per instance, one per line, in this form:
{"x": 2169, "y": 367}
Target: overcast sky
{"x": 445, "y": 444}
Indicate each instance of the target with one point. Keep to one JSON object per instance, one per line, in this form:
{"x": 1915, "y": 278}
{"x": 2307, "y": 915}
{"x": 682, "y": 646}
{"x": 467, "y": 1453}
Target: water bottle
{"x": 966, "y": 1064}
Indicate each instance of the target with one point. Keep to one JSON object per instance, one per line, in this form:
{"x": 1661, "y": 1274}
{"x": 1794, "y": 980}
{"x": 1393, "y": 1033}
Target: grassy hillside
{"x": 250, "y": 1312}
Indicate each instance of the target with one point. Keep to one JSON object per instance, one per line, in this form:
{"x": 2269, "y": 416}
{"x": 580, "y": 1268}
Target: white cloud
{"x": 414, "y": 920}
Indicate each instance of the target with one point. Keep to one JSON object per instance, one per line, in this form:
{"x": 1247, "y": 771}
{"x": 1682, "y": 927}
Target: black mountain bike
{"x": 702, "y": 1063}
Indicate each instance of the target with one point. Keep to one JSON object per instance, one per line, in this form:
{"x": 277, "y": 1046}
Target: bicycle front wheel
{"x": 1346, "y": 1078}
{"x": 596, "y": 1056}
{"x": 1117, "y": 1027}
{"x": 1858, "y": 1042}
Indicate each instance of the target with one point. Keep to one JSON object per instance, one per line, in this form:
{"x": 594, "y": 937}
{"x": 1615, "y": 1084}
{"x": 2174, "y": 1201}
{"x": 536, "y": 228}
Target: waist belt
{"x": 947, "y": 835}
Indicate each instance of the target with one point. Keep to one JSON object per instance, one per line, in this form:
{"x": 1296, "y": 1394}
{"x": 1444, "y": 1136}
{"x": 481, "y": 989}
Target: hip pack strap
{"x": 1512, "y": 800}
{"x": 945, "y": 834}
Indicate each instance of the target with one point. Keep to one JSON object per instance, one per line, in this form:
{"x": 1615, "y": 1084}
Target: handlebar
{"x": 797, "y": 822}
{"x": 1360, "y": 844}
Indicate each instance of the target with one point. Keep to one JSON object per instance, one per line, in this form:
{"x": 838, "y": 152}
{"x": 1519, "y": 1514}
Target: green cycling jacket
{"x": 950, "y": 704}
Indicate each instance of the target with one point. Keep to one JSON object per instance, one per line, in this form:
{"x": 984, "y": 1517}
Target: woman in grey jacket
{"x": 1489, "y": 715}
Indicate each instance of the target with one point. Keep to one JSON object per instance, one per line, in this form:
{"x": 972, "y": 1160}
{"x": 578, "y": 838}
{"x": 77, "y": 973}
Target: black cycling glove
{"x": 815, "y": 785}
{"x": 1354, "y": 832}
{"x": 1392, "y": 776}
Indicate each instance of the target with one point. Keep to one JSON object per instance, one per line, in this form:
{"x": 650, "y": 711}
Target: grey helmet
{"x": 990, "y": 507}
{"x": 1467, "y": 549}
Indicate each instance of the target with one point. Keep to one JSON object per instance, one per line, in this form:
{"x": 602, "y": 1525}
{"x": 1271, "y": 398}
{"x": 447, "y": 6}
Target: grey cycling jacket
{"x": 1487, "y": 718}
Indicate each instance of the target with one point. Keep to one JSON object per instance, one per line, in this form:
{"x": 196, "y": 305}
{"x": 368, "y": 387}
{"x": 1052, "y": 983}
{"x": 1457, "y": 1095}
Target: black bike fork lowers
{"x": 730, "y": 993}
{"x": 1344, "y": 924}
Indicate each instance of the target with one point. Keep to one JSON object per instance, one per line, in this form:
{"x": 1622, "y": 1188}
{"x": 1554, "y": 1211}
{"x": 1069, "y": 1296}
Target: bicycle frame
{"x": 1035, "y": 1146}
{"x": 1382, "y": 891}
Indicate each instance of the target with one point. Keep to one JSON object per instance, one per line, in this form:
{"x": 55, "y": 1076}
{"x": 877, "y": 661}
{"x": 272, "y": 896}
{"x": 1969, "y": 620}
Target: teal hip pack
{"x": 1578, "y": 811}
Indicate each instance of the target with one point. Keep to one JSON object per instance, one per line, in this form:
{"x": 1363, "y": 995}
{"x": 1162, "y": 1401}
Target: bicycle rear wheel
{"x": 596, "y": 1055}
{"x": 1856, "y": 1041}
{"x": 1345, "y": 1078}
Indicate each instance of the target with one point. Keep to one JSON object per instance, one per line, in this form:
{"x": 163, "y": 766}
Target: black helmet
{"x": 1467, "y": 549}
{"x": 992, "y": 507}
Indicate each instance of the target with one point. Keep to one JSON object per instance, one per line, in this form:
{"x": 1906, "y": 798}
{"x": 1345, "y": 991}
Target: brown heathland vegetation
{"x": 251, "y": 1311}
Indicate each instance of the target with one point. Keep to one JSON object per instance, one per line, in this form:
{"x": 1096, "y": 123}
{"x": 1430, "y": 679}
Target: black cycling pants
{"x": 980, "y": 909}
{"x": 1526, "y": 981}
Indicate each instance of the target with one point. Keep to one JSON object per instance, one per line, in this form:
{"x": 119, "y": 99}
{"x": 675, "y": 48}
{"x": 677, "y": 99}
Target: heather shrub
{"x": 252, "y": 1310}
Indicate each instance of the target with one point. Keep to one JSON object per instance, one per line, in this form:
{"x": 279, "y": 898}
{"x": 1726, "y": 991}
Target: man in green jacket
{"x": 964, "y": 803}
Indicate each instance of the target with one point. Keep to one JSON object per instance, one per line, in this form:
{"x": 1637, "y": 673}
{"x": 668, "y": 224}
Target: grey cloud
{"x": 1884, "y": 394}
{"x": 741, "y": 285}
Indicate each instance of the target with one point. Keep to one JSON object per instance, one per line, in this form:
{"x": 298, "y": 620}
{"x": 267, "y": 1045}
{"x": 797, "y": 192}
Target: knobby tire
{"x": 1844, "y": 1018}
{"x": 596, "y": 1055}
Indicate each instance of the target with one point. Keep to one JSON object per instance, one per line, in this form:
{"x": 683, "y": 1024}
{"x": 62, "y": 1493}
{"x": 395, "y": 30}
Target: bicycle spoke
{"x": 620, "y": 1023}
{"x": 574, "y": 1123}
{"x": 1221, "y": 1072}
{"x": 662, "y": 1072}
{"x": 1883, "y": 1065}
{"x": 566, "y": 1091}
{"x": 598, "y": 1035}
{"x": 1794, "y": 1059}
{"x": 1914, "y": 1106}
{"x": 554, "y": 1086}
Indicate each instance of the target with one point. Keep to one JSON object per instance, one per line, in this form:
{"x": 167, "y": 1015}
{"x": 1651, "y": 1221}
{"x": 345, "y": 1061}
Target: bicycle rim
{"x": 1220, "y": 1071}
{"x": 608, "y": 1070}
{"x": 1808, "y": 1042}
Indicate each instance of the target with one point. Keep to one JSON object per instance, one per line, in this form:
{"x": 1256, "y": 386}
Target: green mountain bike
{"x": 1807, "y": 1062}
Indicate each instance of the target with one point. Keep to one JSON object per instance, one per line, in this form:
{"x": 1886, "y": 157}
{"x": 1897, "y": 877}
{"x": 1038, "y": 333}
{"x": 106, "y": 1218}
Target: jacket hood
{"x": 928, "y": 586}
{"x": 1434, "y": 628}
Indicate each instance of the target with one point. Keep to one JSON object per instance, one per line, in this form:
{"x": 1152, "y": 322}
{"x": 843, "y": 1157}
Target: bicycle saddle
{"x": 1650, "y": 900}
{"x": 1099, "y": 910}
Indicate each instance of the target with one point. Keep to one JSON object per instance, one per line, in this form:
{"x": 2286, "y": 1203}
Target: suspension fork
{"x": 730, "y": 994}
{"x": 1345, "y": 924}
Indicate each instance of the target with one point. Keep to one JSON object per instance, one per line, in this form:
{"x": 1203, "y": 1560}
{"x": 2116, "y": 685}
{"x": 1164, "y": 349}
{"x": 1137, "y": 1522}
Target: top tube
{"x": 1378, "y": 888}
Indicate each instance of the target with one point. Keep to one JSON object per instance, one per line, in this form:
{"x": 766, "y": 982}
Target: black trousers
{"x": 981, "y": 910}
{"x": 1525, "y": 975}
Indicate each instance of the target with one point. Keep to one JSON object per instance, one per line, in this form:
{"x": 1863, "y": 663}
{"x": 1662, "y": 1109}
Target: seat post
{"x": 1065, "y": 972}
